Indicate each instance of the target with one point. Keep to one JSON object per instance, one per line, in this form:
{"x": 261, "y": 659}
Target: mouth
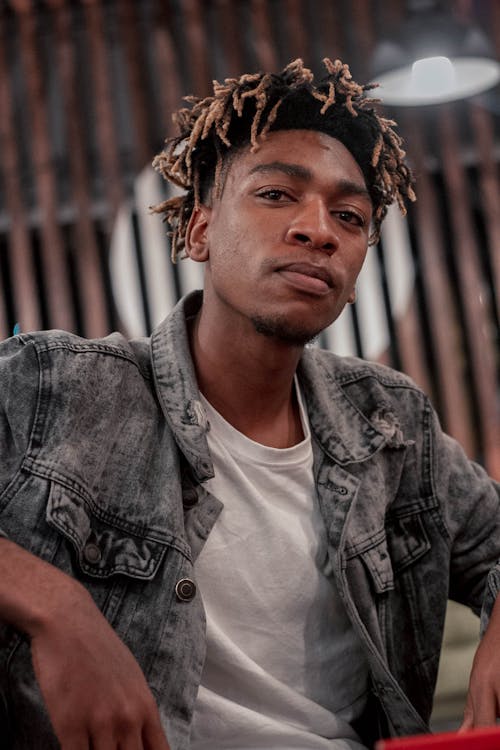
{"x": 308, "y": 277}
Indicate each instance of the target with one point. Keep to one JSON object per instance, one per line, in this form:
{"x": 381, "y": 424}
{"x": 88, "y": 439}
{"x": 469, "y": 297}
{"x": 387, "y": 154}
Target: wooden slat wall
{"x": 56, "y": 280}
{"x": 26, "y": 304}
{"x": 441, "y": 333}
{"x": 489, "y": 183}
{"x": 105, "y": 121}
{"x": 265, "y": 49}
{"x": 471, "y": 286}
{"x": 90, "y": 281}
{"x": 86, "y": 88}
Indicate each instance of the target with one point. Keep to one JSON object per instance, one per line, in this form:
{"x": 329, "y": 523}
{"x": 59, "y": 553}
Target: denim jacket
{"x": 103, "y": 458}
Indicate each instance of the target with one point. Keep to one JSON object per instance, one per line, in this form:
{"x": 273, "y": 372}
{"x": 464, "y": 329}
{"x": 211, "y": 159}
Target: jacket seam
{"x": 33, "y": 468}
{"x": 85, "y": 348}
{"x": 430, "y": 431}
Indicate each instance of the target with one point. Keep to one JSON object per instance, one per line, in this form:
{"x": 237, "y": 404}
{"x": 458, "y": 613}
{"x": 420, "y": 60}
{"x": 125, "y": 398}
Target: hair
{"x": 242, "y": 111}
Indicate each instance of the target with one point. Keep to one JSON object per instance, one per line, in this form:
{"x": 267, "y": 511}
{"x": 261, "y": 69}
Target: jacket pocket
{"x": 385, "y": 554}
{"x": 374, "y": 555}
{"x": 407, "y": 540}
{"x": 103, "y": 547}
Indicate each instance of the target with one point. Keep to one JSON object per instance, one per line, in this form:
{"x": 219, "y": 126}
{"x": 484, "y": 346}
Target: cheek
{"x": 224, "y": 238}
{"x": 357, "y": 259}
{"x": 228, "y": 263}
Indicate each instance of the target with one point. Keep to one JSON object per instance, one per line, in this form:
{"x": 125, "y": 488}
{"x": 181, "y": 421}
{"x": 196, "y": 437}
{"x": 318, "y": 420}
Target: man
{"x": 309, "y": 505}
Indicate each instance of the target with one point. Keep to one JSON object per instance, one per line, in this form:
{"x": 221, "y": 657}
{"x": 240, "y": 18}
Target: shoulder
{"x": 374, "y": 390}
{"x": 66, "y": 369}
{"x": 62, "y": 346}
{"x": 344, "y": 371}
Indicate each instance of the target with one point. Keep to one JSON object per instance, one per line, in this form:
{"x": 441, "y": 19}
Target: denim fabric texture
{"x": 103, "y": 457}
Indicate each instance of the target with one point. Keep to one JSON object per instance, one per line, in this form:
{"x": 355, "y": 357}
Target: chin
{"x": 284, "y": 330}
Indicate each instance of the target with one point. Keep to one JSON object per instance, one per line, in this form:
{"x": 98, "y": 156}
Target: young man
{"x": 219, "y": 536}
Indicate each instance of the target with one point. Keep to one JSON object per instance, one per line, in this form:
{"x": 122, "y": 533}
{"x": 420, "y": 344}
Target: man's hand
{"x": 95, "y": 693}
{"x": 94, "y": 690}
{"x": 483, "y": 699}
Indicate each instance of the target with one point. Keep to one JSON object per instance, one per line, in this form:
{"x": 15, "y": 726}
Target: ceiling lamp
{"x": 433, "y": 58}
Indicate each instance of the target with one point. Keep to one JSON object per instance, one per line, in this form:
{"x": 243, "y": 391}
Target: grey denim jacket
{"x": 103, "y": 455}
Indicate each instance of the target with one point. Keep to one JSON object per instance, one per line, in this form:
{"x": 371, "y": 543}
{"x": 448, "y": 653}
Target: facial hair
{"x": 282, "y": 330}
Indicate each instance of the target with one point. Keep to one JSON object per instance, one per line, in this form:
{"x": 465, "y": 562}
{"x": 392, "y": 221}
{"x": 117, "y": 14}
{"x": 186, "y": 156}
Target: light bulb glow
{"x": 433, "y": 76}
{"x": 456, "y": 78}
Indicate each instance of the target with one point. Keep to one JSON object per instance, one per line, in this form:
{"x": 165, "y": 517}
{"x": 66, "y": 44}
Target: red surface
{"x": 474, "y": 739}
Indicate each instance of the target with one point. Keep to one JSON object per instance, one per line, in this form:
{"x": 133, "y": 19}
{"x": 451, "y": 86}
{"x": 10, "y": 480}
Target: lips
{"x": 309, "y": 269}
{"x": 307, "y": 277}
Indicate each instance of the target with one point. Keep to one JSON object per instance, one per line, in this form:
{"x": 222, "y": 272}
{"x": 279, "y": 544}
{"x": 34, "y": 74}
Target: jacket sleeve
{"x": 470, "y": 507}
{"x": 19, "y": 379}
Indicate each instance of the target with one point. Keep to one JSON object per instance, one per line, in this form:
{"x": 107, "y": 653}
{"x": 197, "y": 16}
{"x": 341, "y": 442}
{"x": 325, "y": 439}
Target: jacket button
{"x": 185, "y": 590}
{"x": 92, "y": 553}
{"x": 190, "y": 498}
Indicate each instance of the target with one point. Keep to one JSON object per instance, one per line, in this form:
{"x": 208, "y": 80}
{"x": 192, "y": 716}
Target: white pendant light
{"x": 433, "y": 59}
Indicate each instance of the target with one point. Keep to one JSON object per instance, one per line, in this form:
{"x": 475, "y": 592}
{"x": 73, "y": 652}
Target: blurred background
{"x": 86, "y": 92}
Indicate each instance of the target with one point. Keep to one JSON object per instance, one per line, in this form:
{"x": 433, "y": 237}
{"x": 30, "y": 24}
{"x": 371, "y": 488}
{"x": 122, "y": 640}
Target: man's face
{"x": 287, "y": 238}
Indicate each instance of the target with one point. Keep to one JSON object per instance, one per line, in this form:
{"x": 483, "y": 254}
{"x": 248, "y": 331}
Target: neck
{"x": 248, "y": 379}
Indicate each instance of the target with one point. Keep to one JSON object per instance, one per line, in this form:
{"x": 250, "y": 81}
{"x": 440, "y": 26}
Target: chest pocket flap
{"x": 103, "y": 547}
{"x": 393, "y": 549}
{"x": 375, "y": 557}
{"x": 407, "y": 540}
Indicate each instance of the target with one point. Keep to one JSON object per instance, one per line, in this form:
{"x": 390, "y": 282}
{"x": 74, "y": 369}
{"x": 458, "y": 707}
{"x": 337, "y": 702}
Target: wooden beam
{"x": 90, "y": 280}
{"x": 196, "y": 39}
{"x": 489, "y": 185}
{"x": 127, "y": 12}
{"x": 331, "y": 32}
{"x": 297, "y": 37}
{"x": 230, "y": 34}
{"x": 477, "y": 321}
{"x": 167, "y": 66}
{"x": 361, "y": 15}
{"x": 105, "y": 124}
{"x": 25, "y": 290}
{"x": 59, "y": 298}
{"x": 265, "y": 48}
{"x": 444, "y": 327}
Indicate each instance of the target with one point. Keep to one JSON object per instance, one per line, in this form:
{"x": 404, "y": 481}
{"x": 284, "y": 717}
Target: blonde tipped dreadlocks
{"x": 243, "y": 110}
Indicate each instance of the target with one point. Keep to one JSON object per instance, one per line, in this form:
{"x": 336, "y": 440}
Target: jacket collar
{"x": 343, "y": 432}
{"x": 176, "y": 386}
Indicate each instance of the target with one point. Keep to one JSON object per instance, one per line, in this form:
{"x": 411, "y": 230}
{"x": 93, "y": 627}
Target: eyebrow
{"x": 292, "y": 170}
{"x": 344, "y": 187}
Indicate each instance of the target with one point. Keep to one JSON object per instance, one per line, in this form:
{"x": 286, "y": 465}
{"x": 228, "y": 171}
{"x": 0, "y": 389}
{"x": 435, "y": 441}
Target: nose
{"x": 313, "y": 227}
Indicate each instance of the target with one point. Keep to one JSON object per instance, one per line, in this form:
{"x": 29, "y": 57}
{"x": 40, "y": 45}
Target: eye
{"x": 273, "y": 194}
{"x": 350, "y": 217}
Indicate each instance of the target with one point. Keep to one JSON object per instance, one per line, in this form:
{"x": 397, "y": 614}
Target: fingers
{"x": 131, "y": 740}
{"x": 484, "y": 713}
{"x": 154, "y": 737}
{"x": 133, "y": 727}
{"x": 468, "y": 720}
{"x": 480, "y": 708}
{"x": 74, "y": 741}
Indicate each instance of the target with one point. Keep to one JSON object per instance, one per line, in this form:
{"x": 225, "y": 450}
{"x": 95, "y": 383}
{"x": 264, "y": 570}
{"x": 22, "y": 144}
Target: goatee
{"x": 283, "y": 330}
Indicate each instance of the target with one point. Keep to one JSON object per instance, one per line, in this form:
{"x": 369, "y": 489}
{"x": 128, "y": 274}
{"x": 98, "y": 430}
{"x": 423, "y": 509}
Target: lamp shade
{"x": 433, "y": 59}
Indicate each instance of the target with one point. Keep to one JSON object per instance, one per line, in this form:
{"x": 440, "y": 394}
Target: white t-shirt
{"x": 284, "y": 668}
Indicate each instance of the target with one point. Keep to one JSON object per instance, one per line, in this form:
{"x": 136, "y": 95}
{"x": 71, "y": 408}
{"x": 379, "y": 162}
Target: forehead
{"x": 321, "y": 155}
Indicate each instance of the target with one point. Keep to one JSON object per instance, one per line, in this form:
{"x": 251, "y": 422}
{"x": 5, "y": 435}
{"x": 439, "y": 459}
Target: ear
{"x": 196, "y": 234}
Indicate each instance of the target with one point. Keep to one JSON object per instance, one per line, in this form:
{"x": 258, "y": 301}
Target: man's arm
{"x": 93, "y": 688}
{"x": 483, "y": 698}
{"x": 470, "y": 505}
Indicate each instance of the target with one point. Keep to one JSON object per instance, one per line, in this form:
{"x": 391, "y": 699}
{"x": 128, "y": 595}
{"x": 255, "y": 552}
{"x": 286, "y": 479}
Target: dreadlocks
{"x": 243, "y": 110}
